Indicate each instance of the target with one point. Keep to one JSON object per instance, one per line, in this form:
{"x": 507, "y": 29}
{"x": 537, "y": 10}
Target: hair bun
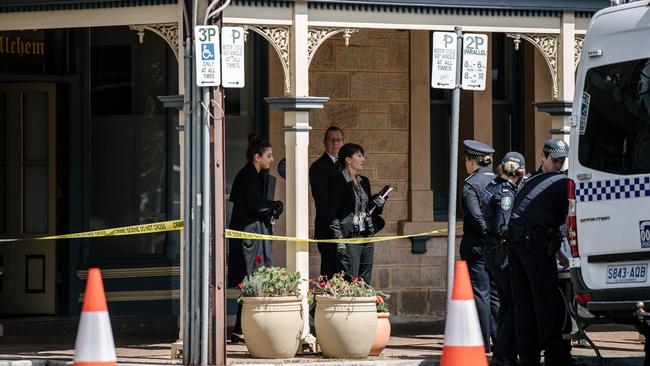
{"x": 487, "y": 159}
{"x": 511, "y": 168}
{"x": 254, "y": 138}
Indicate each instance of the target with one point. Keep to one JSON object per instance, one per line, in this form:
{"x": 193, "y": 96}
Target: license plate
{"x": 627, "y": 273}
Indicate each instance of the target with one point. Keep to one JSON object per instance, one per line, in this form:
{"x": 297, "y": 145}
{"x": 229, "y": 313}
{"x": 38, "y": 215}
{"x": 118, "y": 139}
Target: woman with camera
{"x": 252, "y": 212}
{"x": 354, "y": 213}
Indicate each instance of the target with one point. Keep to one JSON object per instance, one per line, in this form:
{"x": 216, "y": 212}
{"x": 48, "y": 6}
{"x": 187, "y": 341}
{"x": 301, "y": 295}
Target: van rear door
{"x": 611, "y": 166}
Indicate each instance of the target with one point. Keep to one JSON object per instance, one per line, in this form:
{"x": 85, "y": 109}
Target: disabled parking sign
{"x": 206, "y": 47}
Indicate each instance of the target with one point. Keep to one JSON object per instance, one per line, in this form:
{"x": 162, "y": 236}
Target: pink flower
{"x": 355, "y": 279}
{"x": 241, "y": 285}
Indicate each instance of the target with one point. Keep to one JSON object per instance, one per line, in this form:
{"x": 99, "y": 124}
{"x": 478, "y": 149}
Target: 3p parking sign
{"x": 206, "y": 53}
{"x": 644, "y": 232}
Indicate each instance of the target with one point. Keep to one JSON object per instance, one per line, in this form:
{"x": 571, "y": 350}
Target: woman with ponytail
{"x": 478, "y": 157}
{"x": 498, "y": 200}
{"x": 252, "y": 212}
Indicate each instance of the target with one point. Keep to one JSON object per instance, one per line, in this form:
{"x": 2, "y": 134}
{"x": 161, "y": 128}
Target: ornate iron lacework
{"x": 577, "y": 49}
{"x": 80, "y": 5}
{"x": 278, "y": 37}
{"x": 168, "y": 32}
{"x": 547, "y": 45}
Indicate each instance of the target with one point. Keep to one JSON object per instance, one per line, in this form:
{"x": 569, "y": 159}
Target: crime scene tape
{"x": 155, "y": 227}
{"x": 176, "y": 225}
{"x": 234, "y": 234}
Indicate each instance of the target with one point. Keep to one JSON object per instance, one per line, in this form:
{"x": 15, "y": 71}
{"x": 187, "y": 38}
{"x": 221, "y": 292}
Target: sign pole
{"x": 453, "y": 166}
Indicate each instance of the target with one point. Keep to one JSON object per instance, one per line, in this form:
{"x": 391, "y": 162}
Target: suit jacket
{"x": 321, "y": 176}
{"x": 342, "y": 204}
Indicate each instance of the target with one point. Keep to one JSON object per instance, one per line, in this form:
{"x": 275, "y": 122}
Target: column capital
{"x": 297, "y": 103}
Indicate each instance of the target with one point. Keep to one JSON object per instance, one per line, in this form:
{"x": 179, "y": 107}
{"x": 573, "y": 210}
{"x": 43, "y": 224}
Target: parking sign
{"x": 232, "y": 53}
{"x": 474, "y": 71}
{"x": 206, "y": 53}
{"x": 443, "y": 67}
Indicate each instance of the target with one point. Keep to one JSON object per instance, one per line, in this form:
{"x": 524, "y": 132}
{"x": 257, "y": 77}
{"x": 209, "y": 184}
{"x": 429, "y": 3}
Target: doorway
{"x": 27, "y": 198}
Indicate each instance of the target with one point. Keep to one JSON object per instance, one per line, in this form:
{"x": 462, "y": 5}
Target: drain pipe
{"x": 187, "y": 198}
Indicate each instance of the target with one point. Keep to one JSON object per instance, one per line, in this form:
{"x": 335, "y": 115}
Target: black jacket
{"x": 322, "y": 173}
{"x": 473, "y": 222}
{"x": 341, "y": 207}
{"x": 249, "y": 206}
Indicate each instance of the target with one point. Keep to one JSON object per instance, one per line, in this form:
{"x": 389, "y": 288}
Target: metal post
{"x": 206, "y": 224}
{"x": 187, "y": 196}
{"x": 453, "y": 166}
{"x": 197, "y": 203}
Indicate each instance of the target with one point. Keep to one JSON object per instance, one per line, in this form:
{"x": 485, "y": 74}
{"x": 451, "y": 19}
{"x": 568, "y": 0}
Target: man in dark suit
{"x": 321, "y": 175}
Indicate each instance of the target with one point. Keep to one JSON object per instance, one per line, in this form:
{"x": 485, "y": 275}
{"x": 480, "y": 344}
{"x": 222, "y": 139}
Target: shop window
{"x": 133, "y": 143}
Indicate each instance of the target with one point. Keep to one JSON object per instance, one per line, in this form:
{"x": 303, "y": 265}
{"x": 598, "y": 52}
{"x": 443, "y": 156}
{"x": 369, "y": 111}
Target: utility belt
{"x": 527, "y": 235}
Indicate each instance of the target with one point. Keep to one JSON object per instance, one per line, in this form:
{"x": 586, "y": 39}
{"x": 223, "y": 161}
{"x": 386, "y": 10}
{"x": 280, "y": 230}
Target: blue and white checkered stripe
{"x": 614, "y": 189}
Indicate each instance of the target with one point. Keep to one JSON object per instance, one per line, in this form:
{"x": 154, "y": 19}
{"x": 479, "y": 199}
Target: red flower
{"x": 258, "y": 259}
{"x": 380, "y": 300}
{"x": 321, "y": 284}
{"x": 355, "y": 279}
{"x": 311, "y": 280}
{"x": 241, "y": 285}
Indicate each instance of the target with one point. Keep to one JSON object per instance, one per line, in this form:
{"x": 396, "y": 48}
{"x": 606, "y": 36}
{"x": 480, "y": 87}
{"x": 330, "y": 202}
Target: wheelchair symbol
{"x": 207, "y": 51}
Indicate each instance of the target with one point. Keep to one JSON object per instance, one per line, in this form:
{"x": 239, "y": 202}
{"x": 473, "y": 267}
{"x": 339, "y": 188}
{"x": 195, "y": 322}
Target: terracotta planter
{"x": 345, "y": 326}
{"x": 272, "y": 326}
{"x": 382, "y": 335}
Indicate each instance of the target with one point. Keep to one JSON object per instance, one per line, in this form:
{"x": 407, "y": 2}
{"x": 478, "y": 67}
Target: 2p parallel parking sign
{"x": 206, "y": 47}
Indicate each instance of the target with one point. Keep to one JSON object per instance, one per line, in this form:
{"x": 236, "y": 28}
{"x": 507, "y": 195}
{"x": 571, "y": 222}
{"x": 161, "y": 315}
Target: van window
{"x": 616, "y": 138}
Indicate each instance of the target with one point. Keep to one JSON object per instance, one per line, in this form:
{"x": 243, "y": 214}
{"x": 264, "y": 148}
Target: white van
{"x": 609, "y": 221}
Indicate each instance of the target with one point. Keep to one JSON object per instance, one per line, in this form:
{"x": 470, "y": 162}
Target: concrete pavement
{"x": 419, "y": 344}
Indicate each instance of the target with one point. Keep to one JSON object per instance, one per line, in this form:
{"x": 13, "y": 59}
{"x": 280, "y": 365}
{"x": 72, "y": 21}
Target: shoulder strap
{"x": 536, "y": 184}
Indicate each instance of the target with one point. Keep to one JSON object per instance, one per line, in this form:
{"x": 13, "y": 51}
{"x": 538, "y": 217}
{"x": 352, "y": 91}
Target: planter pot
{"x": 272, "y": 326}
{"x": 345, "y": 326}
{"x": 382, "y": 335}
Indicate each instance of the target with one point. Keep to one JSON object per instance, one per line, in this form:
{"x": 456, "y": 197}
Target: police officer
{"x": 478, "y": 157}
{"x": 539, "y": 210}
{"x": 498, "y": 198}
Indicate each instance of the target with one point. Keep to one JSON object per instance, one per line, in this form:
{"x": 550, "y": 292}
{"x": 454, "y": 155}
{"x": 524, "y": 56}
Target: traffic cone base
{"x": 463, "y": 355}
{"x": 463, "y": 338}
{"x": 94, "y": 345}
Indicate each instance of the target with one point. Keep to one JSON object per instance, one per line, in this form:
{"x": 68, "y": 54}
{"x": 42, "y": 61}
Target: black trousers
{"x": 505, "y": 347}
{"x": 538, "y": 323}
{"x": 357, "y": 260}
{"x": 485, "y": 293}
{"x": 329, "y": 265}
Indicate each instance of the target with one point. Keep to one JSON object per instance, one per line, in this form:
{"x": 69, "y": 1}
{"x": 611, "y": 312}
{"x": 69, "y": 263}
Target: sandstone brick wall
{"x": 368, "y": 86}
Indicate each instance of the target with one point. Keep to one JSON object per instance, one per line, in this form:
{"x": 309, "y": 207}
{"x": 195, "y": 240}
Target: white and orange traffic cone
{"x": 463, "y": 337}
{"x": 94, "y": 345}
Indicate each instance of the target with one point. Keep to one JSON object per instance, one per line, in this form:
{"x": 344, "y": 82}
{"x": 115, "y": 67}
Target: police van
{"x": 609, "y": 191}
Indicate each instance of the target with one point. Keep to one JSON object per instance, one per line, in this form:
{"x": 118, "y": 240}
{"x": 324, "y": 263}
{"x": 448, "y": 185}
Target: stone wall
{"x": 368, "y": 86}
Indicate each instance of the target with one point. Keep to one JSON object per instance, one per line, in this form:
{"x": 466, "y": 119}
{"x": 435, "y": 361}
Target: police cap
{"x": 556, "y": 148}
{"x": 514, "y": 157}
{"x": 477, "y": 148}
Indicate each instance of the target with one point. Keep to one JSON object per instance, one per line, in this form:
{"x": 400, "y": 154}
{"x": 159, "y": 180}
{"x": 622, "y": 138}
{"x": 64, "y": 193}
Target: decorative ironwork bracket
{"x": 547, "y": 44}
{"x": 168, "y": 32}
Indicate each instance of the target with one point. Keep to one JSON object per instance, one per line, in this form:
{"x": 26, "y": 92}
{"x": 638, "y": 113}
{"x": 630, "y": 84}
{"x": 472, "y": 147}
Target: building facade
{"x": 89, "y": 145}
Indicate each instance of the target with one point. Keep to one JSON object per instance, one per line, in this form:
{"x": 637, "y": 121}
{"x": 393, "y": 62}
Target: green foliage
{"x": 382, "y": 305}
{"x": 338, "y": 286}
{"x": 271, "y": 282}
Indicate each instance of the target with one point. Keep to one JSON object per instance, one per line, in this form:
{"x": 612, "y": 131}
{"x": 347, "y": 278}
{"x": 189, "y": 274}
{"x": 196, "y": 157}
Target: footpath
{"x": 411, "y": 344}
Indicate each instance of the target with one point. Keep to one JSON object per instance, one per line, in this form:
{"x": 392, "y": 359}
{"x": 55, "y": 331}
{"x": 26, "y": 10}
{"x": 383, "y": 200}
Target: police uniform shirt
{"x": 542, "y": 204}
{"x": 499, "y": 197}
{"x": 473, "y": 222}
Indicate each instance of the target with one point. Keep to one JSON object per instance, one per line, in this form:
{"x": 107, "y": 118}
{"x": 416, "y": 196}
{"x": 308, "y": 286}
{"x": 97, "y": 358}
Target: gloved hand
{"x": 378, "y": 200}
{"x": 278, "y": 208}
{"x": 487, "y": 239}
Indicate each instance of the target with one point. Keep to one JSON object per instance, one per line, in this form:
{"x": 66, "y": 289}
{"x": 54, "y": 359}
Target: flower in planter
{"x": 271, "y": 282}
{"x": 382, "y": 305}
{"x": 338, "y": 286}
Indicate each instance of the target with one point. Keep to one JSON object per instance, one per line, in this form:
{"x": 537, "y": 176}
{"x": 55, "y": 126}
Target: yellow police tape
{"x": 234, "y": 234}
{"x": 175, "y": 225}
{"x": 155, "y": 227}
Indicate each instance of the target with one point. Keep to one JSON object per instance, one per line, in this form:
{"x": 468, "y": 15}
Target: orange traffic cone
{"x": 94, "y": 345}
{"x": 463, "y": 337}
